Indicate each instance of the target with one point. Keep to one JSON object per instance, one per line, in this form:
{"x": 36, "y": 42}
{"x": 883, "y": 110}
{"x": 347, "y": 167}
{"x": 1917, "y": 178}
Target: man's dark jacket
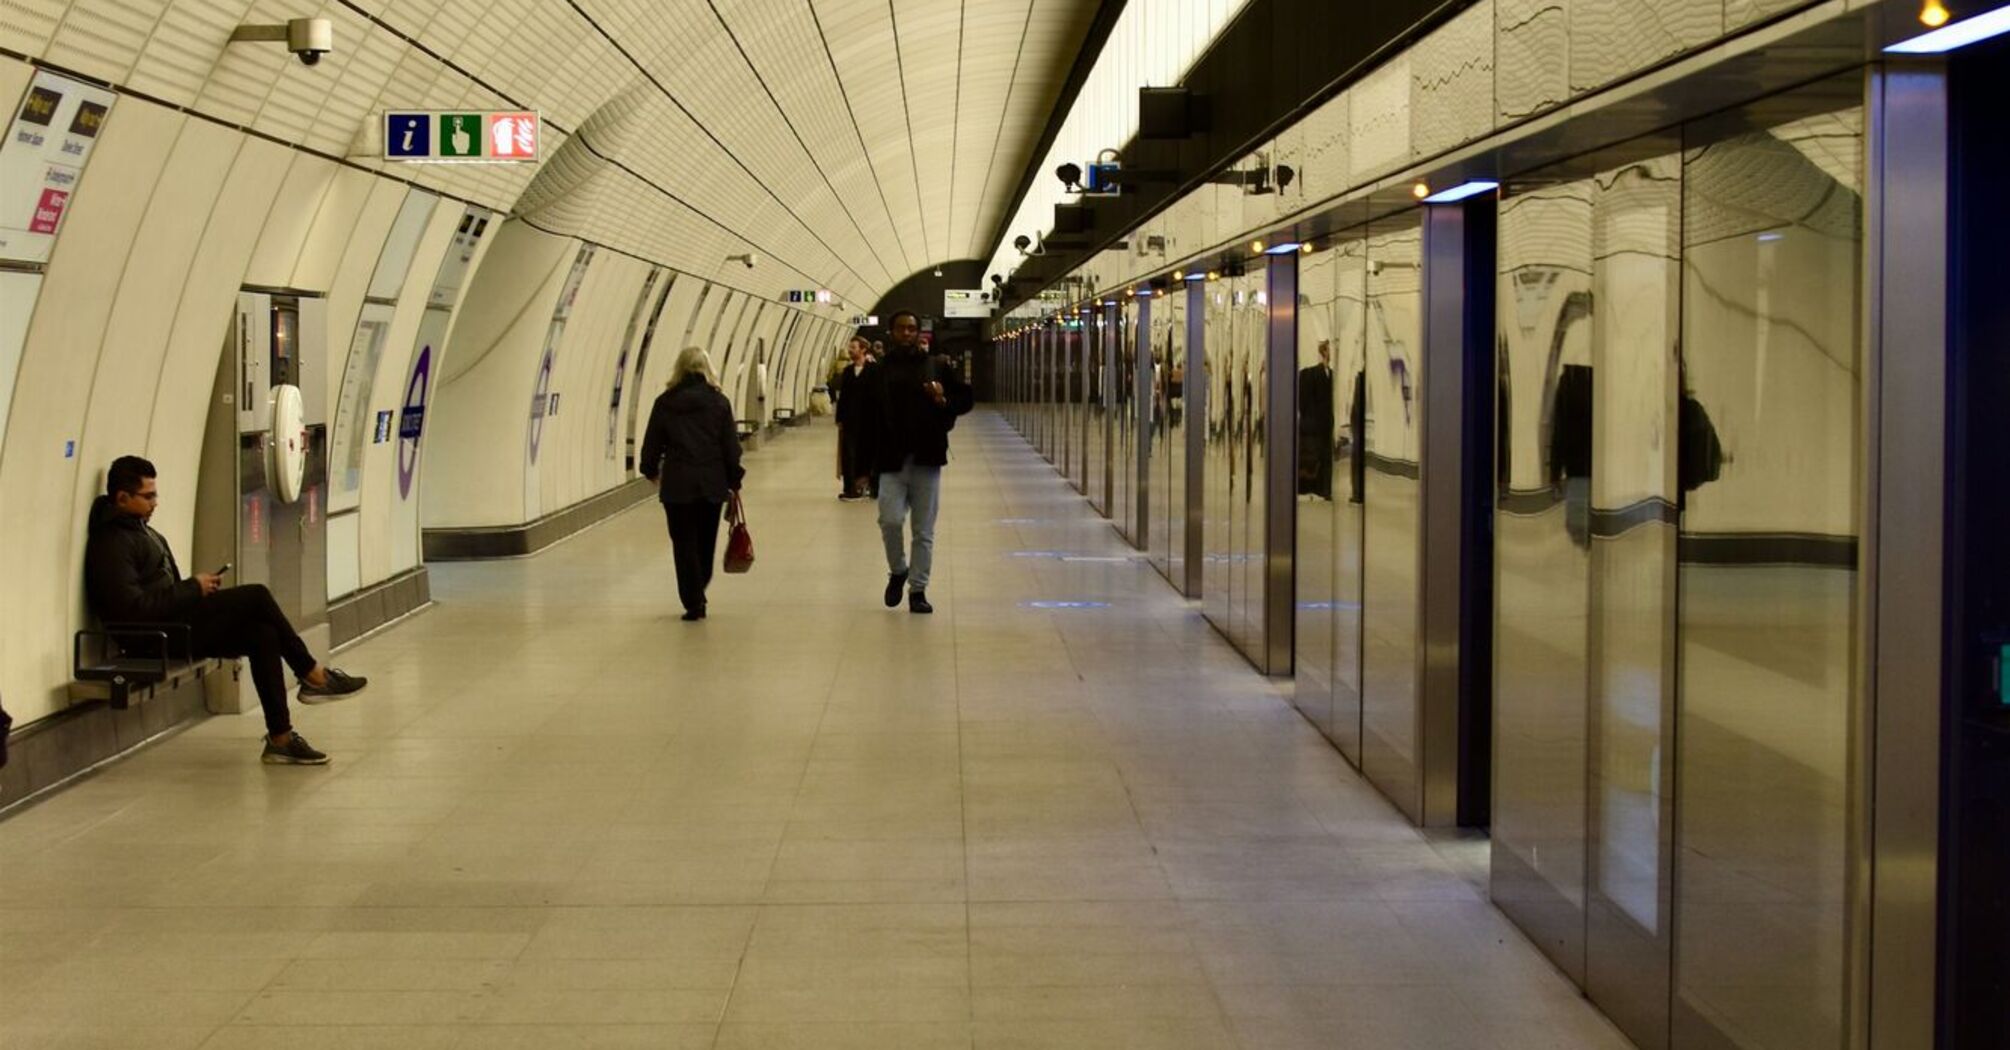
{"x": 130, "y": 576}
{"x": 845, "y": 383}
{"x": 691, "y": 444}
{"x": 910, "y": 422}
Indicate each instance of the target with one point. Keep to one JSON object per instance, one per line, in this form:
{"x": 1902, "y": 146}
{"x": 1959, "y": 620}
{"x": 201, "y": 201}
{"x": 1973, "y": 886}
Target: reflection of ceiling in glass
{"x": 1805, "y": 173}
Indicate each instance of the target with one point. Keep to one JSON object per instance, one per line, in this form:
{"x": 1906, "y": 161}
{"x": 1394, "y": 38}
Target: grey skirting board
{"x": 515, "y": 541}
{"x": 53, "y": 749}
{"x": 354, "y": 615}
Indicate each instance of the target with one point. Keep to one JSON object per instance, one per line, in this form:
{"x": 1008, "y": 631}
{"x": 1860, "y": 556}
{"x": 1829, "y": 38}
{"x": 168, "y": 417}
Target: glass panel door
{"x": 1312, "y": 666}
{"x": 1768, "y": 432}
{"x": 1391, "y": 525}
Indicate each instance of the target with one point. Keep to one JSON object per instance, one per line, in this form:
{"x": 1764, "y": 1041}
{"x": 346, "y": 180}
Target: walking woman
{"x": 692, "y": 452}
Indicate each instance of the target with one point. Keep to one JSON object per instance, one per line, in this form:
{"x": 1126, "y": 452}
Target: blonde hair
{"x": 693, "y": 359}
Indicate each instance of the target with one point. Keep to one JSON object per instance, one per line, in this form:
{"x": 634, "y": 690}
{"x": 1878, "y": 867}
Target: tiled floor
{"x": 562, "y": 818}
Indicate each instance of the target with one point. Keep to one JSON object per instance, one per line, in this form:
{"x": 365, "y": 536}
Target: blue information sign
{"x": 408, "y": 135}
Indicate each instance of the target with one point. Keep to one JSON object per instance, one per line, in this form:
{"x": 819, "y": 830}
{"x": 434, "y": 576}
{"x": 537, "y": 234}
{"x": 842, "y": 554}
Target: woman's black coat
{"x": 692, "y": 445}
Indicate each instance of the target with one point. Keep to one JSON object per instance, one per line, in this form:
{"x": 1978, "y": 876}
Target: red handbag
{"x": 739, "y": 542}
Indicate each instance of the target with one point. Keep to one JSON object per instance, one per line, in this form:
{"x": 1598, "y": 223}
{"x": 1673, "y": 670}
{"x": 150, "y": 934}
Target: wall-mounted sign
{"x": 48, "y": 142}
{"x": 807, "y": 296}
{"x": 383, "y": 427}
{"x": 964, "y": 302}
{"x": 432, "y": 135}
{"x": 864, "y": 320}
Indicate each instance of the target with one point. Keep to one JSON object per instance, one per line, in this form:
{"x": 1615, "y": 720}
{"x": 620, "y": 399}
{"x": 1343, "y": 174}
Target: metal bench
{"x": 124, "y": 662}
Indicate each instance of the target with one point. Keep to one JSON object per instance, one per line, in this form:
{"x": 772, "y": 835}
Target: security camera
{"x": 307, "y": 38}
{"x": 310, "y": 38}
{"x": 750, "y": 259}
{"x": 1070, "y": 175}
{"x": 995, "y": 279}
{"x": 1022, "y": 242}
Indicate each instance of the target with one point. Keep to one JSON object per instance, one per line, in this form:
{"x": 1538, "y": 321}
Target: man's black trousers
{"x": 694, "y": 546}
{"x": 246, "y": 621}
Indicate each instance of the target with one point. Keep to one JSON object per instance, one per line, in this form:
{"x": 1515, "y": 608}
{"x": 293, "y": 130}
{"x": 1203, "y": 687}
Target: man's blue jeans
{"x": 917, "y": 489}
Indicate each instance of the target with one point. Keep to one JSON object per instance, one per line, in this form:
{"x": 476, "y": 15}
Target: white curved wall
{"x": 113, "y": 348}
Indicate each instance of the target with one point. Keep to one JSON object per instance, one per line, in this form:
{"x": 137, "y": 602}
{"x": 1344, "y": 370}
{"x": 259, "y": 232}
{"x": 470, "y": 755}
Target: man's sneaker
{"x": 917, "y": 602}
{"x": 295, "y": 752}
{"x": 895, "y": 583}
{"x": 339, "y": 686}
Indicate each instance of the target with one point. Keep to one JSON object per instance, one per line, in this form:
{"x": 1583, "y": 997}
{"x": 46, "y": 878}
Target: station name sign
{"x": 444, "y": 136}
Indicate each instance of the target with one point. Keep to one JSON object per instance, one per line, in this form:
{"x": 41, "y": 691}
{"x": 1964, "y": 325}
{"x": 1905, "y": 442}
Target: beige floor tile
{"x": 562, "y": 818}
{"x": 849, "y": 1002}
{"x": 855, "y": 1035}
{"x": 588, "y": 1037}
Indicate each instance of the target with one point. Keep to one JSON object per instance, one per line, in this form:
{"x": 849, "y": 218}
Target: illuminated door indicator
{"x": 2003, "y": 675}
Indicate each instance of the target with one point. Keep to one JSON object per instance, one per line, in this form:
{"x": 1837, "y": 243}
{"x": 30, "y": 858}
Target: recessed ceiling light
{"x": 1463, "y": 190}
{"x": 1960, "y": 34}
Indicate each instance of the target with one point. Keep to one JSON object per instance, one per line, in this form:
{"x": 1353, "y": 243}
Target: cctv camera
{"x": 995, "y": 279}
{"x": 310, "y": 38}
{"x": 750, "y": 259}
{"x": 1069, "y": 174}
{"x": 1022, "y": 242}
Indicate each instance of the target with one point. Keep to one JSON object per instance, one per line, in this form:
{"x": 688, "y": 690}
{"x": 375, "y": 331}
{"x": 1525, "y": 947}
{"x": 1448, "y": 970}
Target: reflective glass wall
{"x": 1096, "y": 420}
{"x": 1349, "y": 318}
{"x": 1677, "y": 467}
{"x": 1124, "y": 424}
{"x": 1167, "y": 498}
{"x": 1248, "y": 577}
{"x": 1768, "y": 429}
{"x": 1392, "y": 378}
{"x": 1067, "y": 381}
{"x": 1317, "y": 430}
{"x": 1218, "y": 360}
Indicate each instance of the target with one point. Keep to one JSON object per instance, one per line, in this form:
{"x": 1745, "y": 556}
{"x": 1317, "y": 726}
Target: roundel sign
{"x": 412, "y": 421}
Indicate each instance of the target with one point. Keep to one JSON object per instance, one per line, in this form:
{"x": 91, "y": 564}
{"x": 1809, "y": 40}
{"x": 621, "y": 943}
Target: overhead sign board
{"x": 964, "y": 302}
{"x": 422, "y": 135}
{"x": 48, "y": 143}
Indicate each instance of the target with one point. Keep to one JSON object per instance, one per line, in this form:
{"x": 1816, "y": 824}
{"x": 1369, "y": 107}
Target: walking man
{"x": 915, "y": 400}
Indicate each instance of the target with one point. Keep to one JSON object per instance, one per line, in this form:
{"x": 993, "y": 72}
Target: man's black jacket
{"x": 130, "y": 576}
{"x": 847, "y": 382}
{"x": 910, "y": 422}
{"x": 692, "y": 444}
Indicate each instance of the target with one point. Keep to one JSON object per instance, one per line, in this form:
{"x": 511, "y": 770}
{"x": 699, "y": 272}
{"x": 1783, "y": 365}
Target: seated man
{"x": 130, "y": 576}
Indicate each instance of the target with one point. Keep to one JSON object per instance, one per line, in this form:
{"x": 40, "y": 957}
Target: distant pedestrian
{"x": 691, "y": 450}
{"x": 912, "y": 402}
{"x": 855, "y": 472}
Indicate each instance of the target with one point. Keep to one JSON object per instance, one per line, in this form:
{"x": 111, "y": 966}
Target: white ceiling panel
{"x": 849, "y": 142}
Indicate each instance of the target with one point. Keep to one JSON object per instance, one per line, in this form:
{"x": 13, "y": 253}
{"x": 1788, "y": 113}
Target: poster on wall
{"x": 49, "y": 140}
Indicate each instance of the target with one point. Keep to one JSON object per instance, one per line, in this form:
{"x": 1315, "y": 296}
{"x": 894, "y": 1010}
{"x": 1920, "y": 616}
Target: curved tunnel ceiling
{"x": 849, "y": 143}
